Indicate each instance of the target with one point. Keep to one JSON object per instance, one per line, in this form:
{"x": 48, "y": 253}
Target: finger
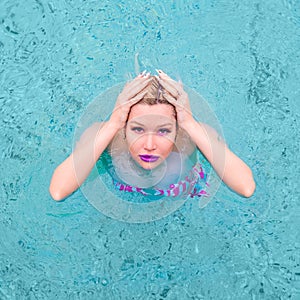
{"x": 138, "y": 87}
{"x": 175, "y": 91}
{"x": 165, "y": 77}
{"x": 133, "y": 100}
{"x": 163, "y": 74}
{"x": 137, "y": 98}
{"x": 182, "y": 100}
{"x": 141, "y": 77}
{"x": 171, "y": 100}
{"x": 170, "y": 80}
{"x": 127, "y": 104}
{"x": 179, "y": 106}
{"x": 136, "y": 81}
{"x": 141, "y": 74}
{"x": 176, "y": 84}
{"x": 133, "y": 89}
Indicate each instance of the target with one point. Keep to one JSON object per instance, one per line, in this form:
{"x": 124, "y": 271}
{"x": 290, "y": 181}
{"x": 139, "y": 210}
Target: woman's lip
{"x": 149, "y": 158}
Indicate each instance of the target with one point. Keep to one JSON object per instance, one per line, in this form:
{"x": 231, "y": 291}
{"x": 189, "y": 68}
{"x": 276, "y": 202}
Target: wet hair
{"x": 155, "y": 95}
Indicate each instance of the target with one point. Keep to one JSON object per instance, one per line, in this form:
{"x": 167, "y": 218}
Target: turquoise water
{"x": 242, "y": 57}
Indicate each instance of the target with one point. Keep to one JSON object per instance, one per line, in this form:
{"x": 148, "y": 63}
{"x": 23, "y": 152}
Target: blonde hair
{"x": 154, "y": 96}
{"x": 154, "y": 93}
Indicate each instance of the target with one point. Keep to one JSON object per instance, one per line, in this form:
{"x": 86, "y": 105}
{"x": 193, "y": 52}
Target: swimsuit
{"x": 192, "y": 185}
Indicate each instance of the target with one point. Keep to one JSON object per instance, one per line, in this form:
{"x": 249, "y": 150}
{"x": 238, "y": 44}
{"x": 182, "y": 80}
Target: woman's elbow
{"x": 56, "y": 194}
{"x": 249, "y": 189}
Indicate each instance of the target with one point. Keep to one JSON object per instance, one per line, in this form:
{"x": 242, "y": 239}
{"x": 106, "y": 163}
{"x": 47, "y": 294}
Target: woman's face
{"x": 150, "y": 133}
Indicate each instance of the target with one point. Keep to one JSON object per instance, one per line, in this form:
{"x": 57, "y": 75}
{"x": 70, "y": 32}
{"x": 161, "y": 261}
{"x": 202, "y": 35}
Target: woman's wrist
{"x": 103, "y": 138}
{"x": 197, "y": 132}
{"x": 189, "y": 125}
{"x": 113, "y": 125}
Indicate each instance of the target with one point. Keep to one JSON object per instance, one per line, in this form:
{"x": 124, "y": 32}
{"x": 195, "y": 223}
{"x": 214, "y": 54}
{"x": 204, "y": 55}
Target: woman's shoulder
{"x": 117, "y": 144}
{"x": 89, "y": 134}
{"x": 93, "y": 128}
{"x": 184, "y": 143}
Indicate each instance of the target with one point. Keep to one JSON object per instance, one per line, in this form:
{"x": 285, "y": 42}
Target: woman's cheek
{"x": 132, "y": 140}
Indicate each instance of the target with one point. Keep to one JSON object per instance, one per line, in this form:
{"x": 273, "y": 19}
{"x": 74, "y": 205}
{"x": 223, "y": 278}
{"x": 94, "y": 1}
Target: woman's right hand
{"x": 132, "y": 93}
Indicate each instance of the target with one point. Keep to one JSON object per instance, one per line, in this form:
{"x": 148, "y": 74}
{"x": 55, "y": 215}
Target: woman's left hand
{"x": 175, "y": 95}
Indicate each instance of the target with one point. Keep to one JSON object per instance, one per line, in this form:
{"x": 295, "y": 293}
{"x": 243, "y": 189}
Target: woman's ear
{"x": 124, "y": 132}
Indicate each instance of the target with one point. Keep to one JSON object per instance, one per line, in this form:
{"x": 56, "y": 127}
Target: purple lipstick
{"x": 149, "y": 158}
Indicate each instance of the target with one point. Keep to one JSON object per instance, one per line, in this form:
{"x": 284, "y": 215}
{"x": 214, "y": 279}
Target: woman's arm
{"x": 72, "y": 172}
{"x": 231, "y": 169}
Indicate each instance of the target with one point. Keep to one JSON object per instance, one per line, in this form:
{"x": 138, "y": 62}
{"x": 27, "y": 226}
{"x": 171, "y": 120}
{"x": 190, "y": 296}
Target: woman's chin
{"x": 149, "y": 165}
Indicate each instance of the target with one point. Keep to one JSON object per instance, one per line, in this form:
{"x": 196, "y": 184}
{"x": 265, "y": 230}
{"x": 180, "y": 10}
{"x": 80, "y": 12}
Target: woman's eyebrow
{"x": 166, "y": 124}
{"x": 135, "y": 122}
{"x": 160, "y": 125}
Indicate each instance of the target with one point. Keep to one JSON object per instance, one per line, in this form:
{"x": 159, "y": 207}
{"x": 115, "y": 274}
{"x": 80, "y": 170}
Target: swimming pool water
{"x": 57, "y": 56}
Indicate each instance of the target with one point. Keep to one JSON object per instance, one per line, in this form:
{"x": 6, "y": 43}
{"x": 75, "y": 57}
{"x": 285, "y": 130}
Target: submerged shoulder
{"x": 93, "y": 128}
{"x": 184, "y": 143}
{"x": 118, "y": 145}
{"x": 89, "y": 134}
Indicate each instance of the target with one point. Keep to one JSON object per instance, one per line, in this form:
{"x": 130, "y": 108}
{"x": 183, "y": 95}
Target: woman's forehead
{"x": 156, "y": 111}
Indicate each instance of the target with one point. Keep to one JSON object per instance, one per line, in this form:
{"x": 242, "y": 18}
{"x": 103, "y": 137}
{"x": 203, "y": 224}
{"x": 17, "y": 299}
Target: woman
{"x": 152, "y": 138}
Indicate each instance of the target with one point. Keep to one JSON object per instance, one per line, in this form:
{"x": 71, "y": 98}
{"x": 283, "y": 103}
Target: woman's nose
{"x": 149, "y": 143}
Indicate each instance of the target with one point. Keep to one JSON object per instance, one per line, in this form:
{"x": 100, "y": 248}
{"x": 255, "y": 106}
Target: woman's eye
{"x": 137, "y": 129}
{"x": 164, "y": 131}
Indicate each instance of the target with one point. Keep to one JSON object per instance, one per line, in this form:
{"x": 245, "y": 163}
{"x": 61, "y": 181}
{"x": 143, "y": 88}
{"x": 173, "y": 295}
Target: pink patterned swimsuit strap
{"x": 193, "y": 184}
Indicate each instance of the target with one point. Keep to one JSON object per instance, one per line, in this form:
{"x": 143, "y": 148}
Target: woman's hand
{"x": 132, "y": 93}
{"x": 175, "y": 95}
